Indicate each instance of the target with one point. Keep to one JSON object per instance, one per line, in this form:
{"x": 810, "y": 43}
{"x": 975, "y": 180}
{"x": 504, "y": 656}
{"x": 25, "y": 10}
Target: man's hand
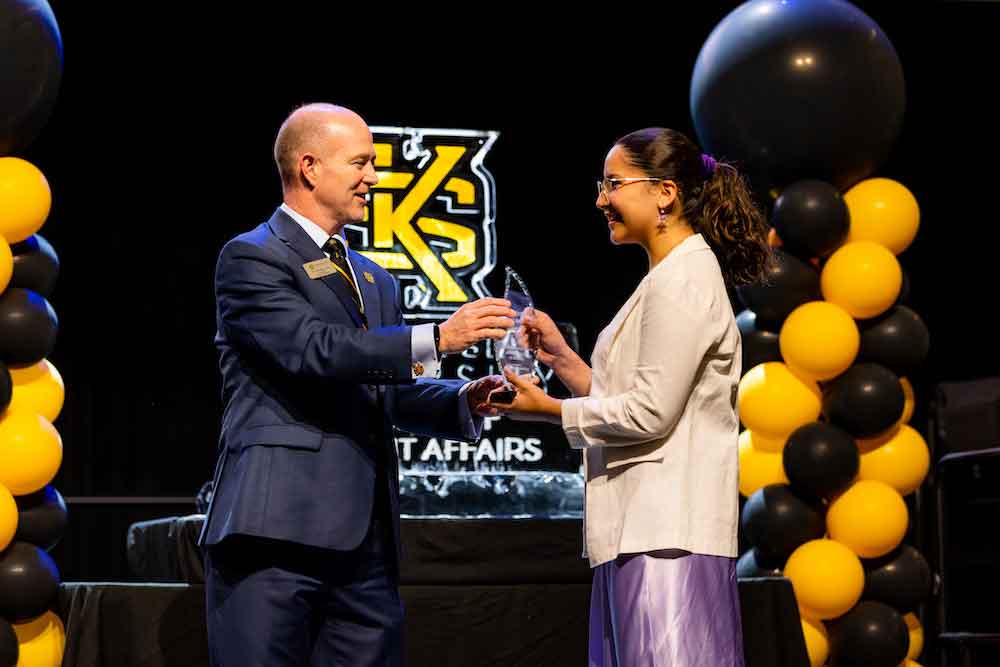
{"x": 479, "y": 392}
{"x": 476, "y": 321}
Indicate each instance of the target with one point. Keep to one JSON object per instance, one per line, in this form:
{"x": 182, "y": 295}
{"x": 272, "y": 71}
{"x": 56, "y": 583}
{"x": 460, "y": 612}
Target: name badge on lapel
{"x": 319, "y": 268}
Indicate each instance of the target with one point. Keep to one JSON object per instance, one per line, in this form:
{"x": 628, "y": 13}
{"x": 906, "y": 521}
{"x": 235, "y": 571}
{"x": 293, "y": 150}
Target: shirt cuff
{"x": 472, "y": 425}
{"x": 423, "y": 352}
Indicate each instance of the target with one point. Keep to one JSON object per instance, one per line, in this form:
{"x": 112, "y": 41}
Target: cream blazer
{"x": 659, "y": 429}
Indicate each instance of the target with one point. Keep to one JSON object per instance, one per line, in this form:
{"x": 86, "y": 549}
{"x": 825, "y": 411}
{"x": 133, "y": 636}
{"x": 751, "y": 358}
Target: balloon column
{"x": 32, "y": 513}
{"x": 827, "y": 455}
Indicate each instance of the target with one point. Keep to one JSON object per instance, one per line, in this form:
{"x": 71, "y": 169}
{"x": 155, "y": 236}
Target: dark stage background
{"x": 159, "y": 150}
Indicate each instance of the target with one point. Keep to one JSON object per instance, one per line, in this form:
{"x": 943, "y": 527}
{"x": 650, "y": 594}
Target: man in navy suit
{"x": 302, "y": 535}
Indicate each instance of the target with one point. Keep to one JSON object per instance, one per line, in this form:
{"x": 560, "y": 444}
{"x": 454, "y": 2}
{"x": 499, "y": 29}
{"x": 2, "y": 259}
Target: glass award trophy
{"x": 511, "y": 351}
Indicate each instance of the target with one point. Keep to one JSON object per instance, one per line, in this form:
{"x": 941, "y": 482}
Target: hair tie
{"x": 709, "y": 164}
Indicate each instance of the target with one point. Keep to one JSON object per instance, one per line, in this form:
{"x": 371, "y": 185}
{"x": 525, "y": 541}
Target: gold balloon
{"x": 758, "y": 468}
{"x": 774, "y": 400}
{"x": 916, "y": 631}
{"x": 817, "y": 642}
{"x": 870, "y": 518}
{"x": 910, "y": 401}
{"x": 8, "y": 517}
{"x": 827, "y": 578}
{"x": 884, "y": 211}
{"x": 6, "y": 264}
{"x": 38, "y": 388}
{"x": 819, "y": 340}
{"x": 902, "y": 462}
{"x": 762, "y": 444}
{"x": 41, "y": 641}
{"x": 31, "y": 451}
{"x": 25, "y": 199}
{"x": 863, "y": 278}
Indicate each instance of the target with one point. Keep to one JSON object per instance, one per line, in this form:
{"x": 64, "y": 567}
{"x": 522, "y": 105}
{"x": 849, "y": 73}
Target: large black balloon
{"x": 41, "y": 518}
{"x": 820, "y": 460}
{"x": 811, "y": 219}
{"x": 787, "y": 284}
{"x": 759, "y": 345}
{"x": 901, "y": 579}
{"x": 776, "y": 522}
{"x": 8, "y": 645}
{"x": 872, "y": 634}
{"x": 794, "y": 90}
{"x": 864, "y": 401}
{"x": 6, "y": 387}
{"x": 752, "y": 564}
{"x": 898, "y": 340}
{"x": 31, "y": 61}
{"x": 29, "y": 582}
{"x": 28, "y": 327}
{"x": 36, "y": 265}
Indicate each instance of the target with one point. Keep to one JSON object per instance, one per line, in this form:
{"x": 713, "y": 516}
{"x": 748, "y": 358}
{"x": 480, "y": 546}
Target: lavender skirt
{"x": 662, "y": 611}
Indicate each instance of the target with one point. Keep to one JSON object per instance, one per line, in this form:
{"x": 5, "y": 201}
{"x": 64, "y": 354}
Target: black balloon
{"x": 788, "y": 283}
{"x": 29, "y": 582}
{"x": 30, "y": 69}
{"x": 776, "y": 522}
{"x": 872, "y": 634}
{"x": 811, "y": 219}
{"x": 28, "y": 327}
{"x": 752, "y": 564}
{"x": 8, "y": 645}
{"x": 820, "y": 460}
{"x": 865, "y": 401}
{"x": 6, "y": 386}
{"x": 759, "y": 345}
{"x": 41, "y": 518}
{"x": 898, "y": 340}
{"x": 36, "y": 265}
{"x": 827, "y": 87}
{"x": 900, "y": 579}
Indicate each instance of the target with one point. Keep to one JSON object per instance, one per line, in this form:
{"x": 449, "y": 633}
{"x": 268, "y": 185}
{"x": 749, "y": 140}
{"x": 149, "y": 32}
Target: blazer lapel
{"x": 295, "y": 237}
{"x": 369, "y": 289}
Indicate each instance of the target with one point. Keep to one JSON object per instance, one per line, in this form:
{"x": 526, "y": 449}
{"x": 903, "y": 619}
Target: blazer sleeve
{"x": 675, "y": 337}
{"x": 261, "y": 309}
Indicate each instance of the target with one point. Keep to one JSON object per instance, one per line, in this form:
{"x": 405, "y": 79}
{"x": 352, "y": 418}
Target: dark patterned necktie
{"x": 339, "y": 258}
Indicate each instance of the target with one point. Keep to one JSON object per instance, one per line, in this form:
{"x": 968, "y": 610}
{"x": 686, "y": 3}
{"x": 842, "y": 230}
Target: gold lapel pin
{"x": 369, "y": 277}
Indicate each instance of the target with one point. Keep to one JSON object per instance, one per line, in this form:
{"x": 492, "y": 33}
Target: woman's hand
{"x": 541, "y": 334}
{"x": 530, "y": 403}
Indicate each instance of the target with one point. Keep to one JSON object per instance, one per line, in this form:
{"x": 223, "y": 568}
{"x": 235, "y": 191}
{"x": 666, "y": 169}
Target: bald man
{"x": 302, "y": 536}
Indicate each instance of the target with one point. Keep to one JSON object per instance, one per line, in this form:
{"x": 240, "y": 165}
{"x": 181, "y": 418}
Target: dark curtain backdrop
{"x": 159, "y": 150}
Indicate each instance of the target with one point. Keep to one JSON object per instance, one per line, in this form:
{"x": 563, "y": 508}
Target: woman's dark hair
{"x": 715, "y": 199}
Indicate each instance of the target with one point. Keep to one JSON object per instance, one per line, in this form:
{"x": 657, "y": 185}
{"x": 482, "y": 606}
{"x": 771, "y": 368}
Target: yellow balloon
{"x": 909, "y": 401}
{"x": 758, "y": 468}
{"x": 902, "y": 462}
{"x": 8, "y": 517}
{"x": 819, "y": 340}
{"x": 870, "y": 518}
{"x": 25, "y": 199}
{"x": 774, "y": 400}
{"x": 6, "y": 264}
{"x": 827, "y": 578}
{"x": 884, "y": 211}
{"x": 817, "y": 642}
{"x": 916, "y": 636}
{"x": 41, "y": 641}
{"x": 911, "y": 663}
{"x": 31, "y": 451}
{"x": 38, "y": 388}
{"x": 866, "y": 445}
{"x": 762, "y": 444}
{"x": 863, "y": 278}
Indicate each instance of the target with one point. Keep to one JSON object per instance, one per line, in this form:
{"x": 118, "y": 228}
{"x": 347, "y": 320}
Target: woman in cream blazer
{"x": 655, "y": 412}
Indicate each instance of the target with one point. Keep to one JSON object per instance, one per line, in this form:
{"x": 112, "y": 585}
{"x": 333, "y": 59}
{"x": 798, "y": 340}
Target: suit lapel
{"x": 296, "y": 238}
{"x": 369, "y": 290}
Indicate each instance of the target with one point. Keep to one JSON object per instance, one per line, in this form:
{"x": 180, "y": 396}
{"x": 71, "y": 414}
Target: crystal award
{"x": 511, "y": 354}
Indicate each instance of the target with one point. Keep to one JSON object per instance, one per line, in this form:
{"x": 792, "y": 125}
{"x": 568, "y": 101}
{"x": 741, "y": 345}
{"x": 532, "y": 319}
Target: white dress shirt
{"x": 659, "y": 429}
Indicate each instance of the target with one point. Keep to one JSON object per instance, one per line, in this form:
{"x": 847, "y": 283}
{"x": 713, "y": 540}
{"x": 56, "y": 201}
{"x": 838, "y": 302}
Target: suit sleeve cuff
{"x": 472, "y": 425}
{"x": 423, "y": 352}
{"x": 572, "y": 409}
